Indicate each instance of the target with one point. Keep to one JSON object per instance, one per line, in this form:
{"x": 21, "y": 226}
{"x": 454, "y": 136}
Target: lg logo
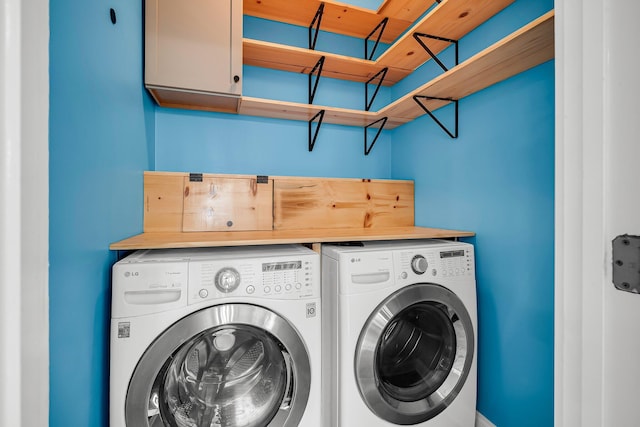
{"x": 355, "y": 259}
{"x": 131, "y": 273}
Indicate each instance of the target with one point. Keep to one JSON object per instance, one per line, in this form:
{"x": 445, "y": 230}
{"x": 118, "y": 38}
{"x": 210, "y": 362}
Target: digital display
{"x": 281, "y": 266}
{"x": 451, "y": 254}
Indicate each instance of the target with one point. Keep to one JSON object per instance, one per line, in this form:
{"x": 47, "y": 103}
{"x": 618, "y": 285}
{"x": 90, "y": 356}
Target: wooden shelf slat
{"x": 247, "y": 238}
{"x": 298, "y": 60}
{"x": 342, "y": 18}
{"x": 451, "y": 19}
{"x": 305, "y": 112}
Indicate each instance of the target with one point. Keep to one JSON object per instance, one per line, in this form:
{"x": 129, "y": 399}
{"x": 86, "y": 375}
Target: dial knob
{"x": 419, "y": 264}
{"x": 227, "y": 279}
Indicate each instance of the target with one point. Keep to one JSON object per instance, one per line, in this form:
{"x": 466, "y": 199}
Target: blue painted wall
{"x": 497, "y": 179}
{"x": 224, "y": 143}
{"x": 219, "y": 143}
{"x": 101, "y": 139}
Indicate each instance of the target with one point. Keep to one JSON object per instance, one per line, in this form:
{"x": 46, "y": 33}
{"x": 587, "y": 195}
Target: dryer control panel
{"x": 434, "y": 263}
{"x": 281, "y": 278}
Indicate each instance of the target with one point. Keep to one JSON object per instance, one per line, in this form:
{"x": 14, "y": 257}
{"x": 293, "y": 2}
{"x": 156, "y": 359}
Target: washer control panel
{"x": 290, "y": 278}
{"x": 426, "y": 264}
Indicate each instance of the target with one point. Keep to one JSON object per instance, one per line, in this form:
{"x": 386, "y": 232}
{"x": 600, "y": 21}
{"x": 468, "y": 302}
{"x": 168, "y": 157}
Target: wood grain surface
{"x": 233, "y": 204}
{"x": 301, "y": 203}
{"x": 247, "y": 238}
{"x": 163, "y": 202}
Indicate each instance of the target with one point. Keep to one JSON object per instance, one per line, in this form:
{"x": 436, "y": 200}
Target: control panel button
{"x": 250, "y": 289}
{"x": 278, "y": 288}
{"x": 434, "y": 272}
{"x": 203, "y": 293}
{"x": 419, "y": 264}
{"x": 298, "y": 285}
{"x": 404, "y": 275}
{"x": 227, "y": 279}
{"x": 267, "y": 289}
{"x": 287, "y": 287}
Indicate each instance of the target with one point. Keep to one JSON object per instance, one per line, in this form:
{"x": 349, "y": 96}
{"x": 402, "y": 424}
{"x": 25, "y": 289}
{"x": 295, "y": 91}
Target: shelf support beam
{"x": 454, "y": 134}
{"x": 382, "y": 74}
{"x": 313, "y": 36}
{"x": 314, "y": 135}
{"x": 314, "y": 85}
{"x": 418, "y": 37}
{"x": 367, "y": 148}
{"x": 381, "y": 26}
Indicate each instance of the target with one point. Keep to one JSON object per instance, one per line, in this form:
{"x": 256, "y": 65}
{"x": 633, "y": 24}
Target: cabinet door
{"x": 194, "y": 45}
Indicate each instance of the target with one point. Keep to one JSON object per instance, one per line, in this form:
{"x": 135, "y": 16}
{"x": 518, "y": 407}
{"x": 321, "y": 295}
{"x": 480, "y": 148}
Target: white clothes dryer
{"x": 399, "y": 334}
{"x": 226, "y": 337}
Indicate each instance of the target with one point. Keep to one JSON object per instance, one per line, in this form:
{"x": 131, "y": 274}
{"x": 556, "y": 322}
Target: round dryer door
{"x": 233, "y": 365}
{"x": 414, "y": 354}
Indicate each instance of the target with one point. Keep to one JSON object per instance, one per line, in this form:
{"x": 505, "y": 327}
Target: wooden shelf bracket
{"x": 367, "y": 148}
{"x": 382, "y": 74}
{"x": 419, "y": 36}
{"x": 314, "y": 27}
{"x": 379, "y": 29}
{"x": 454, "y": 134}
{"x": 314, "y": 135}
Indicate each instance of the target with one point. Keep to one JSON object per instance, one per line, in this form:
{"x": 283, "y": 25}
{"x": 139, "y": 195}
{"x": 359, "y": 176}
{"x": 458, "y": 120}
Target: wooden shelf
{"x": 341, "y": 18}
{"x": 451, "y": 19}
{"x": 298, "y": 60}
{"x": 297, "y": 111}
{"x": 532, "y": 45}
{"x": 247, "y": 238}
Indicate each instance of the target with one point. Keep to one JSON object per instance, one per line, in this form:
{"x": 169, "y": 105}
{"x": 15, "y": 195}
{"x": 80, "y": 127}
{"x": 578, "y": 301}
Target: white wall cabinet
{"x": 193, "y": 52}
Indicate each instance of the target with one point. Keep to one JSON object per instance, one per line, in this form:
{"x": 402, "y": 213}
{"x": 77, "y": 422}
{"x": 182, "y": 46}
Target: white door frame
{"x": 10, "y": 274}
{"x": 580, "y": 241}
{"x": 24, "y": 213}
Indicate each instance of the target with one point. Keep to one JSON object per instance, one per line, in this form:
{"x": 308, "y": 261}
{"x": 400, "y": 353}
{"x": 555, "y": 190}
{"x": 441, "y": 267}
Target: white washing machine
{"x": 399, "y": 334}
{"x": 225, "y": 337}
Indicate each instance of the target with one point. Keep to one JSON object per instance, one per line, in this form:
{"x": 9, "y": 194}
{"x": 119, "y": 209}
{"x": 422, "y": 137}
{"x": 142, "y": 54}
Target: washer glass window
{"x": 232, "y": 365}
{"x": 227, "y": 376}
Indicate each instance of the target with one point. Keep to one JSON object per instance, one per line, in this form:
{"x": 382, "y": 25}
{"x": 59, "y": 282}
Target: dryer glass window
{"x": 232, "y": 375}
{"x": 416, "y": 352}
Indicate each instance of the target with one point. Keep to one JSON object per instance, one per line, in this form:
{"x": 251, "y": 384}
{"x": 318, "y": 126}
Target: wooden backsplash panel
{"x": 227, "y": 204}
{"x": 308, "y": 203}
{"x": 163, "y": 201}
{"x": 174, "y": 203}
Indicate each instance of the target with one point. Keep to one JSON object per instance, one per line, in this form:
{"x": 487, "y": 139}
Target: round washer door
{"x": 235, "y": 365}
{"x": 414, "y": 354}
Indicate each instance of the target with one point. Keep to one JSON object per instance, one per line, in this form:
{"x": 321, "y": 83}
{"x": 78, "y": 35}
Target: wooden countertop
{"x": 247, "y": 238}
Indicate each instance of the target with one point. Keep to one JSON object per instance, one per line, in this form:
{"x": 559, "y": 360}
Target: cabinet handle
{"x": 236, "y": 79}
